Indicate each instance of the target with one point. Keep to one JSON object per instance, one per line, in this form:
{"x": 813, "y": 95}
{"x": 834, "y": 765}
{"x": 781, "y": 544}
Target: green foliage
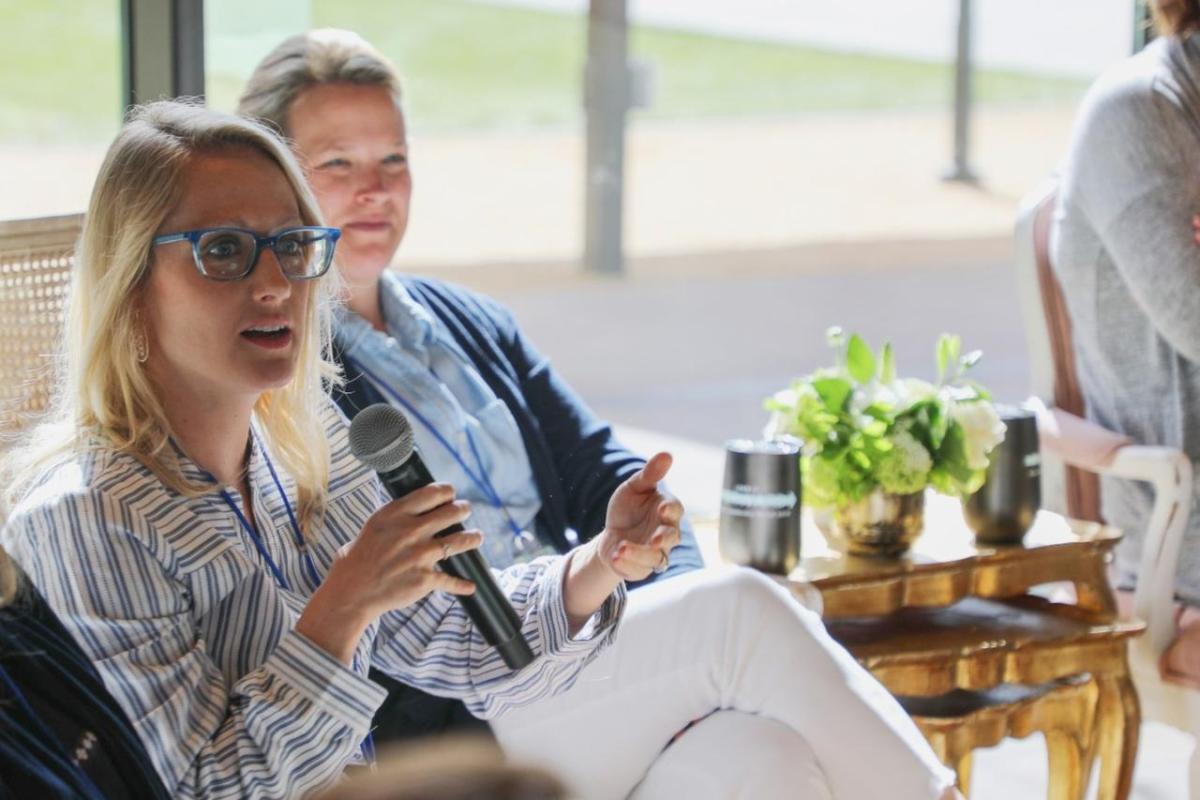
{"x": 865, "y": 429}
{"x": 859, "y": 360}
{"x": 887, "y": 364}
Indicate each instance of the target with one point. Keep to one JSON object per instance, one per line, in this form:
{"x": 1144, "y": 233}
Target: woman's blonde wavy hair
{"x": 105, "y": 398}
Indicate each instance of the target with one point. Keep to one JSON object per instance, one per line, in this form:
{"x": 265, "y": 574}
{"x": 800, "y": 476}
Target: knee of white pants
{"x": 731, "y": 755}
{"x": 750, "y": 594}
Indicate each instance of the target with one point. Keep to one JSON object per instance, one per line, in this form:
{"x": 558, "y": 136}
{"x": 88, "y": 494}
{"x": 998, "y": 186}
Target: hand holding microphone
{"x": 381, "y": 438}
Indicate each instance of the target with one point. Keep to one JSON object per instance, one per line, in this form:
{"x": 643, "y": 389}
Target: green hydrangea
{"x": 904, "y": 468}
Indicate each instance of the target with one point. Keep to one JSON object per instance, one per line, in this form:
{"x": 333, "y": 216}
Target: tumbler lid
{"x": 780, "y": 446}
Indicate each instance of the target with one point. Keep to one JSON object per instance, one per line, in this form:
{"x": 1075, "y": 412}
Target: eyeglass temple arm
{"x": 172, "y": 237}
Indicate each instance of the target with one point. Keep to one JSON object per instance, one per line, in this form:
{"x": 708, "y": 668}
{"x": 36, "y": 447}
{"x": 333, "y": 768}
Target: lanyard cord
{"x": 368, "y": 744}
{"x": 252, "y": 530}
{"x": 303, "y": 545}
{"x": 50, "y": 737}
{"x": 481, "y": 480}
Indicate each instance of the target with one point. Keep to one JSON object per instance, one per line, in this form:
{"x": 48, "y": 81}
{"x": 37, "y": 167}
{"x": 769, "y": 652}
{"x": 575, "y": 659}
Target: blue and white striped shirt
{"x": 195, "y": 639}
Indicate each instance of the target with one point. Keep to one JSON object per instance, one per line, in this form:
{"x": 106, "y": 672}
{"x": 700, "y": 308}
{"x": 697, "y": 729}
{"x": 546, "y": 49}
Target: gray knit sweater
{"x": 1122, "y": 247}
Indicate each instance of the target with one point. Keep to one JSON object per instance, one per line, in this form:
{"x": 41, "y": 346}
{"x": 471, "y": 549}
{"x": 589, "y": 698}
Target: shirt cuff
{"x": 331, "y": 686}
{"x": 555, "y": 628}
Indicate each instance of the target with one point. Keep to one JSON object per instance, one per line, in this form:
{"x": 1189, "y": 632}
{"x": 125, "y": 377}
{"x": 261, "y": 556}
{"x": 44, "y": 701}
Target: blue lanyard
{"x": 252, "y": 530}
{"x": 49, "y": 735}
{"x": 368, "y": 744}
{"x": 521, "y": 539}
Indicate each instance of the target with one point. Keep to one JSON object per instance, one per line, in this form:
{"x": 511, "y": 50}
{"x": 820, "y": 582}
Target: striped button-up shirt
{"x": 194, "y": 636}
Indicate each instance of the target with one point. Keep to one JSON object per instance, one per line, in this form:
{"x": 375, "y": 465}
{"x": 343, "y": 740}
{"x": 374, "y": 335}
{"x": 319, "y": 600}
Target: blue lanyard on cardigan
{"x": 522, "y": 540}
{"x": 49, "y": 735}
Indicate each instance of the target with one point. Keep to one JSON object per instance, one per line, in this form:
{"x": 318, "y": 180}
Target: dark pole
{"x": 606, "y": 101}
{"x": 961, "y": 170}
{"x": 162, "y": 49}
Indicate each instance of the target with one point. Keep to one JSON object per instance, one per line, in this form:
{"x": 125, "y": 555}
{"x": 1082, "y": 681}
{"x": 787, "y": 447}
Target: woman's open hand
{"x": 391, "y": 564}
{"x": 641, "y": 528}
{"x": 642, "y": 524}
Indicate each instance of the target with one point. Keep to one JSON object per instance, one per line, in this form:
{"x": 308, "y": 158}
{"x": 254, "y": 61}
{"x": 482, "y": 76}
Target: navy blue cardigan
{"x": 577, "y": 461}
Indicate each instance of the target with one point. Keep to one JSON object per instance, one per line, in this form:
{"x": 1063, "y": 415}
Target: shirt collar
{"x": 407, "y": 321}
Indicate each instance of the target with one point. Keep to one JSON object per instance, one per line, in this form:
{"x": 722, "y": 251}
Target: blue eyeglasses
{"x": 230, "y": 254}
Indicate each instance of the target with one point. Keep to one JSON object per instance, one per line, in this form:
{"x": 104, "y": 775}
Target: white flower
{"x": 785, "y": 397}
{"x": 909, "y": 391}
{"x": 982, "y": 430}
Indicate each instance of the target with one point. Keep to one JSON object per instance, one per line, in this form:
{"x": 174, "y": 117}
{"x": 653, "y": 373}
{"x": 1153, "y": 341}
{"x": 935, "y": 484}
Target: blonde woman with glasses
{"x": 192, "y": 511}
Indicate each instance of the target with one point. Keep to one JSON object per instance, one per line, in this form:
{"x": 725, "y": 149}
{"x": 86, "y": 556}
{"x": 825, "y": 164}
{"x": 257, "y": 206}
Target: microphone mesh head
{"x": 381, "y": 437}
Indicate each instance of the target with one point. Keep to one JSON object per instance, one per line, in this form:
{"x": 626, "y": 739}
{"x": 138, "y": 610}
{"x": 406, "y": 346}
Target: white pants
{"x": 797, "y": 716}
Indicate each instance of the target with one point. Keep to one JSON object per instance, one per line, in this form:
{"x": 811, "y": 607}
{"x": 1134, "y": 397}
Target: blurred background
{"x": 783, "y": 171}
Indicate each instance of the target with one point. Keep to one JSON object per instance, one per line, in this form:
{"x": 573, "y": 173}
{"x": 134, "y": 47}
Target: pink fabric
{"x": 1077, "y": 441}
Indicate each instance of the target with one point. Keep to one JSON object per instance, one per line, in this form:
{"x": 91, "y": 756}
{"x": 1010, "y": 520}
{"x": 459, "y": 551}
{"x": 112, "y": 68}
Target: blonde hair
{"x": 299, "y": 62}
{"x": 1175, "y": 17}
{"x": 106, "y": 398}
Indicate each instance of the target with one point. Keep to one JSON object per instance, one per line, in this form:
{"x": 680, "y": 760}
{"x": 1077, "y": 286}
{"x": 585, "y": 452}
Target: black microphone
{"x": 381, "y": 438}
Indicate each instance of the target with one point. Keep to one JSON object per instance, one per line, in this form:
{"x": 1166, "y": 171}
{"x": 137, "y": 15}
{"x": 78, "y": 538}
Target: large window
{"x": 789, "y": 161}
{"x": 60, "y": 105}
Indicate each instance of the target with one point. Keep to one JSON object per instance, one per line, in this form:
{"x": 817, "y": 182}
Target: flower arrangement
{"x": 864, "y": 429}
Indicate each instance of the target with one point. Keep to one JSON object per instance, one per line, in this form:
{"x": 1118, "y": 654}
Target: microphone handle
{"x": 488, "y": 608}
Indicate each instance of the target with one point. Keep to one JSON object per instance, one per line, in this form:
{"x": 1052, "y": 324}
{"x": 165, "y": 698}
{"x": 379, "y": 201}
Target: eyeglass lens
{"x": 226, "y": 254}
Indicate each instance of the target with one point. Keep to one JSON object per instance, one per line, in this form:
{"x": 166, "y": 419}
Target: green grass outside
{"x": 470, "y": 66}
{"x": 60, "y": 70}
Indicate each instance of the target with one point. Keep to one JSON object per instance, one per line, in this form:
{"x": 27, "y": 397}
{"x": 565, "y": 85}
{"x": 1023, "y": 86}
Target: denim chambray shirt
{"x": 419, "y": 360}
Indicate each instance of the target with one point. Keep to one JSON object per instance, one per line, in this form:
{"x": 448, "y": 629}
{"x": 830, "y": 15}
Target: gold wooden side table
{"x": 954, "y": 615}
{"x": 958, "y": 723}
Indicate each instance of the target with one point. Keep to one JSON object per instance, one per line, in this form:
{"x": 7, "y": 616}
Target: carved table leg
{"x": 1119, "y": 724}
{"x": 962, "y": 769}
{"x": 1068, "y": 765}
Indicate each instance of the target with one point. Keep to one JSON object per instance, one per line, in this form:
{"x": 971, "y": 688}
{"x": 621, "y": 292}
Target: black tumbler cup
{"x": 760, "y": 504}
{"x": 1005, "y": 506}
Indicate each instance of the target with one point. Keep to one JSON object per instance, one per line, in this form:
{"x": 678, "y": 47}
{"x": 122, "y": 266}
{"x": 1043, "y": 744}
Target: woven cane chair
{"x": 36, "y": 258}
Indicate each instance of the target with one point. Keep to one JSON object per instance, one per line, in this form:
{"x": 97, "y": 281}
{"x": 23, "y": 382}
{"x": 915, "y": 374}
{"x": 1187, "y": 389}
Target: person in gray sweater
{"x": 1123, "y": 249}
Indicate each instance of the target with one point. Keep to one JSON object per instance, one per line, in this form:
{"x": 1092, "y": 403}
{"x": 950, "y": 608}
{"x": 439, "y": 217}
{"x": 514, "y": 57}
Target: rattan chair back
{"x": 36, "y": 259}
